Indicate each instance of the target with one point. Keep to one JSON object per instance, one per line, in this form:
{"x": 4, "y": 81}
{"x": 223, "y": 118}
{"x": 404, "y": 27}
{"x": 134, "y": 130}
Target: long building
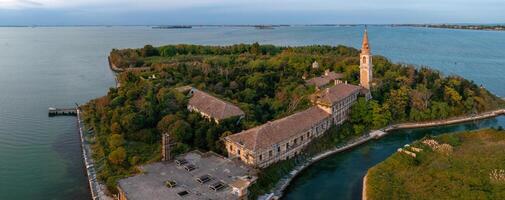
{"x": 211, "y": 107}
{"x": 284, "y": 138}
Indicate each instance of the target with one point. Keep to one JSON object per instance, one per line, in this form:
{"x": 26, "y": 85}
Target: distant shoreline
{"x": 488, "y": 27}
{"x": 480, "y": 27}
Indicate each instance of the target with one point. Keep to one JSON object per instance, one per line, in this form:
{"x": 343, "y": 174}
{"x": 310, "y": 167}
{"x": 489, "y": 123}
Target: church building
{"x": 284, "y": 138}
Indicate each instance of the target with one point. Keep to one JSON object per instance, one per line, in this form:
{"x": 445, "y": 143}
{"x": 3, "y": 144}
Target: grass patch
{"x": 463, "y": 174}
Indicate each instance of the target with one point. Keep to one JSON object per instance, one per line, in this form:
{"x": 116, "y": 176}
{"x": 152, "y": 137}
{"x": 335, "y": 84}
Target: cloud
{"x": 323, "y": 5}
{"x": 30, "y": 3}
{"x": 248, "y": 11}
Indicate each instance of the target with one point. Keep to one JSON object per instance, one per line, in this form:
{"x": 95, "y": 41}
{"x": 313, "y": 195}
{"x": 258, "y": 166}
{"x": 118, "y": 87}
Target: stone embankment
{"x": 116, "y": 69}
{"x": 455, "y": 120}
{"x": 97, "y": 189}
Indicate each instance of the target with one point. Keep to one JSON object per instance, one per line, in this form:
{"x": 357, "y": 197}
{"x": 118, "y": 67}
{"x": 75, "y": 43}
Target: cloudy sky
{"x": 152, "y": 12}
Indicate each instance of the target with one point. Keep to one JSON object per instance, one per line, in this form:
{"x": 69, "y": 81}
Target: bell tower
{"x": 365, "y": 63}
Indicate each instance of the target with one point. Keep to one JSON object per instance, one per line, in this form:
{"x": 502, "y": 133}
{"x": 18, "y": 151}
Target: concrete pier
{"x": 52, "y": 112}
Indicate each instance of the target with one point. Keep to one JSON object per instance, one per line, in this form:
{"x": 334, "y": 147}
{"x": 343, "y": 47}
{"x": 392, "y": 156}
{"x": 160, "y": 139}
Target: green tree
{"x": 181, "y": 131}
{"x": 360, "y": 112}
{"x": 398, "y": 101}
{"x": 420, "y": 98}
{"x": 440, "y": 110}
{"x": 452, "y": 96}
{"x": 115, "y": 141}
{"x": 148, "y": 51}
{"x": 381, "y": 116}
{"x": 117, "y": 156}
{"x": 255, "y": 48}
{"x": 115, "y": 128}
{"x": 165, "y": 123}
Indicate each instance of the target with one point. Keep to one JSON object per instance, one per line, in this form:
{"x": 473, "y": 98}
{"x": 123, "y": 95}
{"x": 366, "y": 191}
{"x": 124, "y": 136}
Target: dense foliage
{"x": 471, "y": 171}
{"x": 264, "y": 81}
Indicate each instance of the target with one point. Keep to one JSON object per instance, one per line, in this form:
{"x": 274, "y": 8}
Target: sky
{"x": 162, "y": 12}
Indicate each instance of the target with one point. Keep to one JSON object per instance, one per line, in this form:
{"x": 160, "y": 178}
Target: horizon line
{"x": 246, "y": 25}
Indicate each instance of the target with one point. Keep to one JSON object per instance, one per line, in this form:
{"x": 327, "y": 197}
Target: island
{"x": 260, "y": 110}
{"x": 464, "y": 165}
{"x": 460, "y": 26}
{"x": 173, "y": 27}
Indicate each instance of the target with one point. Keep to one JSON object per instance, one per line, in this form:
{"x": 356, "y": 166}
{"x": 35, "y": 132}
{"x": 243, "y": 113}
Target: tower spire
{"x": 365, "y": 64}
{"x": 365, "y": 47}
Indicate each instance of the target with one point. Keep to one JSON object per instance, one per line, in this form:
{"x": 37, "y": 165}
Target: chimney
{"x": 165, "y": 147}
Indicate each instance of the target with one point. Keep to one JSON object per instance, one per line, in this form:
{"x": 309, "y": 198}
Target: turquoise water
{"x": 47, "y": 66}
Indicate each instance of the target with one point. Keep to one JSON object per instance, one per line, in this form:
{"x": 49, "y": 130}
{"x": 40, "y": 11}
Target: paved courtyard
{"x": 151, "y": 184}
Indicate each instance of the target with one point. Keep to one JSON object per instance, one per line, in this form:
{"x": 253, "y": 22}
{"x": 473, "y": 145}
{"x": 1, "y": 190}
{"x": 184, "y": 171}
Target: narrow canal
{"x": 340, "y": 176}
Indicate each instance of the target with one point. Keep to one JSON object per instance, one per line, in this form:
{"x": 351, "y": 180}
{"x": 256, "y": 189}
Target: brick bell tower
{"x": 365, "y": 64}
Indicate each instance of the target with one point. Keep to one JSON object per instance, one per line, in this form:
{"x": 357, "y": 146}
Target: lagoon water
{"x": 59, "y": 66}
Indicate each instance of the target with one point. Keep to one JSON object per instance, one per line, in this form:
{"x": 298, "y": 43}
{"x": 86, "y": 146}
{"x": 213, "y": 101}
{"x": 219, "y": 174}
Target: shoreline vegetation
{"x": 464, "y": 165}
{"x": 264, "y": 81}
{"x": 457, "y": 26}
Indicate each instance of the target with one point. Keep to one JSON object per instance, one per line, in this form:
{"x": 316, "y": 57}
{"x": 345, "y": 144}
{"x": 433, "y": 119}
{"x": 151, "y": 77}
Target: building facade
{"x": 278, "y": 140}
{"x": 284, "y": 138}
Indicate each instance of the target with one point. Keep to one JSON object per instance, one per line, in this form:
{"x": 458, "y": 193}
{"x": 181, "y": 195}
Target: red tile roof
{"x": 266, "y": 135}
{"x": 332, "y": 95}
{"x": 325, "y": 79}
{"x": 212, "y": 106}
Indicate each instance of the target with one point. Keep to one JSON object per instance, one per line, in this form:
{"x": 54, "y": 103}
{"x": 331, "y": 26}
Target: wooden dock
{"x": 62, "y": 111}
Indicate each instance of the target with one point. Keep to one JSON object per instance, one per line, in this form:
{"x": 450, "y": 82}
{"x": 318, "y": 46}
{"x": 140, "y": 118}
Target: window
{"x": 287, "y": 146}
{"x": 278, "y": 149}
{"x": 231, "y": 147}
{"x": 238, "y": 152}
{"x": 261, "y": 157}
{"x": 296, "y": 140}
{"x": 301, "y": 138}
{"x": 270, "y": 153}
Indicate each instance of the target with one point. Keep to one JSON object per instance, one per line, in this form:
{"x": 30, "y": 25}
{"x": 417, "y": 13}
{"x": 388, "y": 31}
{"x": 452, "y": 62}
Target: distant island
{"x": 171, "y": 27}
{"x": 259, "y": 26}
{"x": 456, "y": 26}
{"x": 465, "y": 165}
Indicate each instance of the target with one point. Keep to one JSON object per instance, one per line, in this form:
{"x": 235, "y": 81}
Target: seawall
{"x": 455, "y": 120}
{"x": 97, "y": 189}
{"x": 113, "y": 67}
{"x": 116, "y": 69}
